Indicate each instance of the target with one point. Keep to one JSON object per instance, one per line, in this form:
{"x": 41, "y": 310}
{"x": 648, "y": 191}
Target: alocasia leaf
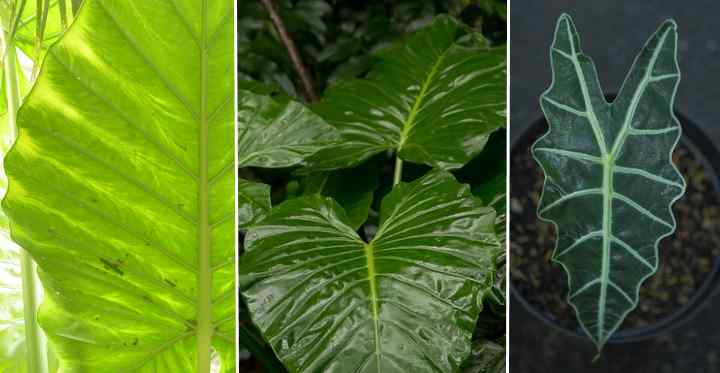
{"x": 278, "y": 134}
{"x": 609, "y": 176}
{"x": 122, "y": 187}
{"x": 351, "y": 188}
{"x": 435, "y": 100}
{"x": 253, "y": 202}
{"x": 407, "y": 301}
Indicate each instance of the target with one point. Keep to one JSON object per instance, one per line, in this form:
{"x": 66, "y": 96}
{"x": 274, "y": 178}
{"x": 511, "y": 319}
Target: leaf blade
{"x": 364, "y": 292}
{"x": 133, "y": 147}
{"x": 616, "y": 158}
{"x": 434, "y": 99}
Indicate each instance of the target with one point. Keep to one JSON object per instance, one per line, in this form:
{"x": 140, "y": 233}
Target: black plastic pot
{"x": 699, "y": 144}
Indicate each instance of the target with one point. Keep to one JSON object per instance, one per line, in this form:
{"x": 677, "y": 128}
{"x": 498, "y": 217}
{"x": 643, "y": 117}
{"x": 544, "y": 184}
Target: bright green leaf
{"x": 122, "y": 185}
{"x": 278, "y": 134}
{"x": 435, "y": 100}
{"x": 609, "y": 176}
{"x": 327, "y": 301}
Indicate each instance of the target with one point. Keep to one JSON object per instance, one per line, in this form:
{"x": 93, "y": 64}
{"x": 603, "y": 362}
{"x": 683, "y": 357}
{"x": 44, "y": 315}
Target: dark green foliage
{"x": 357, "y": 190}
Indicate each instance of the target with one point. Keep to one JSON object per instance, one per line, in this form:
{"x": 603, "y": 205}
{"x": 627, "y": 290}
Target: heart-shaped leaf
{"x": 122, "y": 187}
{"x": 408, "y": 300}
{"x": 434, "y": 99}
{"x": 278, "y": 134}
{"x": 609, "y": 177}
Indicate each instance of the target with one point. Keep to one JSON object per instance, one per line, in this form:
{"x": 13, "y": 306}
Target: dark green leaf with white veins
{"x": 406, "y": 302}
{"x": 278, "y": 133}
{"x": 435, "y": 100}
{"x": 121, "y": 186}
{"x": 609, "y": 177}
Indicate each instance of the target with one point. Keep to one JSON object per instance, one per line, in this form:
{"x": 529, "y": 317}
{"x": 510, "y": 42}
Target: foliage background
{"x": 337, "y": 40}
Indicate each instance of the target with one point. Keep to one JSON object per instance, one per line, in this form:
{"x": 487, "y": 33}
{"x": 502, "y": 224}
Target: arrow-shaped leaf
{"x": 407, "y": 301}
{"x": 435, "y": 100}
{"x": 122, "y": 187}
{"x": 609, "y": 177}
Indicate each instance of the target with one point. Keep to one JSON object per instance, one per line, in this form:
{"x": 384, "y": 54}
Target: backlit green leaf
{"x": 407, "y": 301}
{"x": 435, "y": 100}
{"x": 609, "y": 177}
{"x": 122, "y": 187}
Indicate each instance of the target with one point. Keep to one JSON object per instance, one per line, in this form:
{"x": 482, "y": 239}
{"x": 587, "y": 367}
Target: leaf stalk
{"x": 32, "y": 292}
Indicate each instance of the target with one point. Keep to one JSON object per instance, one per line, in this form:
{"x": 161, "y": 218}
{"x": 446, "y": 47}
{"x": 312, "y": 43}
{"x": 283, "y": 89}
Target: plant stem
{"x": 32, "y": 294}
{"x": 204, "y": 277}
{"x": 63, "y": 14}
{"x": 398, "y": 170}
{"x": 43, "y": 7}
{"x": 75, "y": 6}
{"x": 309, "y": 91}
{"x": 34, "y": 338}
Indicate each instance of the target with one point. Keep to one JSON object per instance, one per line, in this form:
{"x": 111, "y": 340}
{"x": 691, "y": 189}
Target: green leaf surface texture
{"x": 253, "y": 202}
{"x": 405, "y": 302}
{"x": 609, "y": 177}
{"x": 435, "y": 99}
{"x": 351, "y": 188}
{"x": 122, "y": 187}
{"x": 276, "y": 134}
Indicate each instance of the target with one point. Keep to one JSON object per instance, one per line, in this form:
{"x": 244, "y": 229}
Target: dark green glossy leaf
{"x": 122, "y": 187}
{"x": 609, "y": 177}
{"x": 253, "y": 202}
{"x": 434, "y": 99}
{"x": 487, "y": 357}
{"x": 352, "y": 188}
{"x": 278, "y": 134}
{"x": 407, "y": 301}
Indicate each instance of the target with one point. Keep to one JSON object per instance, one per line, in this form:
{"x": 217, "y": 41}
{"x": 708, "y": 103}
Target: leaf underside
{"x": 407, "y": 301}
{"x": 434, "y": 99}
{"x": 122, "y": 181}
{"x": 609, "y": 177}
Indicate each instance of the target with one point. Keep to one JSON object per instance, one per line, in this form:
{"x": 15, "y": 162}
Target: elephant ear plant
{"x": 121, "y": 187}
{"x": 327, "y": 295}
{"x": 609, "y": 177}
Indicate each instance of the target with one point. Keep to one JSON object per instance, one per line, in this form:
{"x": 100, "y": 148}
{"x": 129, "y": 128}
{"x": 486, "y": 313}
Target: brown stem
{"x": 292, "y": 50}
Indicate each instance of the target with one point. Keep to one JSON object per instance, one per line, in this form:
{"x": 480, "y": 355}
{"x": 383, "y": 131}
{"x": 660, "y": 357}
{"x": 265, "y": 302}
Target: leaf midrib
{"x": 608, "y": 163}
{"x": 374, "y": 303}
{"x": 204, "y": 279}
{"x": 410, "y": 120}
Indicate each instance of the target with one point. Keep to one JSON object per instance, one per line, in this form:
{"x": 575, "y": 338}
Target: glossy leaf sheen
{"x": 121, "y": 185}
{"x": 435, "y": 100}
{"x": 405, "y": 302}
{"x": 609, "y": 177}
{"x": 353, "y": 189}
{"x": 278, "y": 134}
{"x": 253, "y": 202}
